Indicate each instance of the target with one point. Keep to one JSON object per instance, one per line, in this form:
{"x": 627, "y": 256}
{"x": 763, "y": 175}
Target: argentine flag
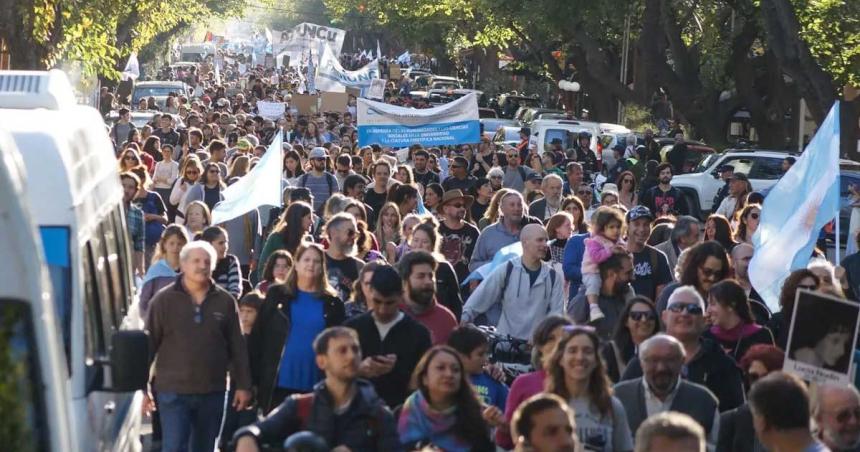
{"x": 795, "y": 210}
{"x": 512, "y": 251}
{"x": 260, "y": 187}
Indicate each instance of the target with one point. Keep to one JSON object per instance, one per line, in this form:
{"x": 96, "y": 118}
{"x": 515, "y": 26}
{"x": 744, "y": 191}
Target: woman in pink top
{"x": 544, "y": 339}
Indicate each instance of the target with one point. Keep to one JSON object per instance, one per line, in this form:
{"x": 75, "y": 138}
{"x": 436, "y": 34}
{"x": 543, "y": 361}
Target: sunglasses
{"x": 198, "y": 315}
{"x": 495, "y": 177}
{"x": 513, "y": 156}
{"x": 692, "y": 309}
{"x": 807, "y": 286}
{"x": 192, "y": 172}
{"x": 129, "y": 157}
{"x": 755, "y": 215}
{"x": 642, "y": 316}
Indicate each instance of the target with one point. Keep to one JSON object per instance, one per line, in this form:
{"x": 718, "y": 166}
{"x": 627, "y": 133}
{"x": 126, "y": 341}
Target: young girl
{"x": 227, "y": 273}
{"x": 606, "y": 226}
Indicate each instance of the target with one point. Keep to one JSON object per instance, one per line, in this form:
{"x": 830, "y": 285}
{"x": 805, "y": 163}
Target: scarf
{"x": 421, "y": 423}
{"x": 159, "y": 269}
{"x": 735, "y": 334}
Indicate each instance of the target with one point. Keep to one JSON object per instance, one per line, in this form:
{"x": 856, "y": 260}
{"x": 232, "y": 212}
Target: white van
{"x": 30, "y": 348}
{"x": 196, "y": 52}
{"x": 75, "y": 199}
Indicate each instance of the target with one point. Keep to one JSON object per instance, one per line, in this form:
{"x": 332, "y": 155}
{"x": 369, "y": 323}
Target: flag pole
{"x": 838, "y": 237}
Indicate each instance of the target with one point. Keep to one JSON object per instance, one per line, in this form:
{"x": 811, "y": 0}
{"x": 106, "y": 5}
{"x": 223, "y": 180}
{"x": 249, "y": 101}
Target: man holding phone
{"x": 391, "y": 342}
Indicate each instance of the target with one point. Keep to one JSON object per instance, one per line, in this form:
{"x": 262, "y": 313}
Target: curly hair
{"x": 696, "y": 257}
{"x": 722, "y": 231}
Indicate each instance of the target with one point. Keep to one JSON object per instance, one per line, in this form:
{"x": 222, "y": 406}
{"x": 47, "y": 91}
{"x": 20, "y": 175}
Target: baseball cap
{"x": 534, "y": 177}
{"x": 318, "y": 153}
{"x": 638, "y": 212}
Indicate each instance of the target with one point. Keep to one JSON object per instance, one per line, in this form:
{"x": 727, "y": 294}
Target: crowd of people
{"x": 343, "y": 320}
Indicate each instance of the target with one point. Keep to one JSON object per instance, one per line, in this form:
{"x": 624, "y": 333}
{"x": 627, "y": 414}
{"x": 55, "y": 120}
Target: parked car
{"x": 762, "y": 167}
{"x": 530, "y": 115}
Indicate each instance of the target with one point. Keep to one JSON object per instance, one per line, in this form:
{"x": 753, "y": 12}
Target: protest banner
{"x": 305, "y": 104}
{"x": 271, "y": 110}
{"x": 331, "y": 76}
{"x": 334, "y": 101}
{"x": 389, "y": 125}
{"x": 304, "y": 37}
{"x": 821, "y": 337}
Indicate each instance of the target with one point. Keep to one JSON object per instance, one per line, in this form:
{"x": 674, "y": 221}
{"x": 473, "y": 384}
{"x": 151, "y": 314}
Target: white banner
{"x": 271, "y": 110}
{"x": 332, "y": 77}
{"x": 389, "y": 125}
{"x": 306, "y": 36}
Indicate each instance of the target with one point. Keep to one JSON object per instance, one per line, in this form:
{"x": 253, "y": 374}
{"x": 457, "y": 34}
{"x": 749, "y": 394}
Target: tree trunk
{"x": 795, "y": 58}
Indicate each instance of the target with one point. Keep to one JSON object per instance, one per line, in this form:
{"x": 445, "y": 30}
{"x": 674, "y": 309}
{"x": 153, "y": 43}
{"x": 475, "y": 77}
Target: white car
{"x": 762, "y": 167}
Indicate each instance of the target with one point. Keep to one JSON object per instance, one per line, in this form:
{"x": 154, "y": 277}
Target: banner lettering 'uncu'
{"x": 304, "y": 37}
{"x": 389, "y": 125}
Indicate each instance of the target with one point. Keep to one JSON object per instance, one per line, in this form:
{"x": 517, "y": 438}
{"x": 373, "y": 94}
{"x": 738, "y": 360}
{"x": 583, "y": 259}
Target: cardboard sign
{"x": 354, "y": 92}
{"x": 305, "y": 104}
{"x": 821, "y": 338}
{"x": 334, "y": 101}
{"x": 393, "y": 72}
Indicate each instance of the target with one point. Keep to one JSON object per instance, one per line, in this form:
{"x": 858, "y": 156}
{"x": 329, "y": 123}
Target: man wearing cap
{"x": 725, "y": 172}
{"x": 459, "y": 178}
{"x": 650, "y": 265}
{"x": 458, "y": 236}
{"x": 533, "y": 182}
{"x": 738, "y": 188}
{"x": 515, "y": 173}
{"x": 550, "y": 204}
{"x": 321, "y": 183}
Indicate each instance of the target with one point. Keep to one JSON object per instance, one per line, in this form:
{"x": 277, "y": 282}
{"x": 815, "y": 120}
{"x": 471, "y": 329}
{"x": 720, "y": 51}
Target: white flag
{"x": 260, "y": 187}
{"x": 132, "y": 68}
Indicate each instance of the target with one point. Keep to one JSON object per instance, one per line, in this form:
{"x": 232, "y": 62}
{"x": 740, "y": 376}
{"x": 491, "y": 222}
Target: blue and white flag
{"x": 332, "y": 77}
{"x": 512, "y": 251}
{"x": 405, "y": 58}
{"x": 389, "y": 125}
{"x": 795, "y": 210}
{"x": 260, "y": 187}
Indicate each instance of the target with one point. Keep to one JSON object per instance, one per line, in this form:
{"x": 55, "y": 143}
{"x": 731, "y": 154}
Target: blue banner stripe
{"x": 437, "y": 134}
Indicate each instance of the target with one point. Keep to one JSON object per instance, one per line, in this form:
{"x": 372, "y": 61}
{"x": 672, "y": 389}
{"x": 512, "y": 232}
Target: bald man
{"x": 742, "y": 254}
{"x": 836, "y": 410}
{"x": 520, "y": 293}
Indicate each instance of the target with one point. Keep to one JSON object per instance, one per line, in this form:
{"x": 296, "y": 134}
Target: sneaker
{"x": 594, "y": 313}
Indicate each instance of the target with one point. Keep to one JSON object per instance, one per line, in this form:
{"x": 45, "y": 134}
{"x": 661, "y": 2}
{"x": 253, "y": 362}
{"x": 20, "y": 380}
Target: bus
{"x": 75, "y": 199}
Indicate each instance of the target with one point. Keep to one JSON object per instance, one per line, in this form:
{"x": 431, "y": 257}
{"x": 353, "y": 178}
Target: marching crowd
{"x": 343, "y": 320}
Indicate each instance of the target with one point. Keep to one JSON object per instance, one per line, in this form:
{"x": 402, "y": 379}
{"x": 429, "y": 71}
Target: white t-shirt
{"x": 384, "y": 328}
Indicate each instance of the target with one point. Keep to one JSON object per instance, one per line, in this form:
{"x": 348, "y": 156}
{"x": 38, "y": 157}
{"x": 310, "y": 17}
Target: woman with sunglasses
{"x": 544, "y": 339}
{"x": 781, "y": 321}
{"x": 627, "y": 194}
{"x": 129, "y": 159}
{"x": 191, "y": 171}
{"x": 209, "y": 189}
{"x": 577, "y": 374}
{"x": 732, "y": 323}
{"x": 705, "y": 264}
{"x": 747, "y": 221}
{"x": 293, "y": 314}
{"x": 638, "y": 321}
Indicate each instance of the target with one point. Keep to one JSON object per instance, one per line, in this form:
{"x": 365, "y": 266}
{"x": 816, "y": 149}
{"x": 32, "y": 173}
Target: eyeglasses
{"x": 495, "y": 177}
{"x": 198, "y": 315}
{"x": 807, "y": 286}
{"x": 692, "y": 309}
{"x": 844, "y": 415}
{"x": 192, "y": 172}
{"x": 755, "y": 215}
{"x": 710, "y": 272}
{"x": 642, "y": 316}
{"x": 513, "y": 156}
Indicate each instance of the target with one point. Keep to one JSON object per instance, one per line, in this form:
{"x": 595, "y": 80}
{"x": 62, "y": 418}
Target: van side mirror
{"x": 129, "y": 361}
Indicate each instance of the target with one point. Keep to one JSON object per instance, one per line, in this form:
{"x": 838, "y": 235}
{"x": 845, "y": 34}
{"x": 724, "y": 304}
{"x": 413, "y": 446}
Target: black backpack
{"x": 329, "y": 178}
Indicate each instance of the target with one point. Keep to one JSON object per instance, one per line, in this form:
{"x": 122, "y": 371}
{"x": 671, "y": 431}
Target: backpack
{"x": 329, "y": 178}
{"x": 510, "y": 268}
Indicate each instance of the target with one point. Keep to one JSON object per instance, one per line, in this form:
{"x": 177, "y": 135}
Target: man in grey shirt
{"x": 120, "y": 130}
{"x": 515, "y": 173}
{"x": 321, "y": 183}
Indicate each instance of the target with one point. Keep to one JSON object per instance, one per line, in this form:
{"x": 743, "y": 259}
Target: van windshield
{"x": 21, "y": 403}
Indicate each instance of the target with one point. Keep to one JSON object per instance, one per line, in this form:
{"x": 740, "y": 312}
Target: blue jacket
{"x": 572, "y": 262}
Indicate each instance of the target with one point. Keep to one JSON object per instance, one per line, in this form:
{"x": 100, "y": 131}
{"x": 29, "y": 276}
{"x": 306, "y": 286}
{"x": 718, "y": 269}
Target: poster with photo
{"x": 821, "y": 337}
